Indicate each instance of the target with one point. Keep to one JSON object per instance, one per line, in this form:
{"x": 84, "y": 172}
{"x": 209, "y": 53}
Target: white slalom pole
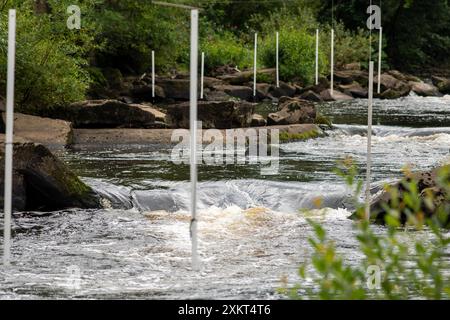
{"x": 9, "y": 137}
{"x": 369, "y": 142}
{"x": 380, "y": 49}
{"x": 317, "y": 56}
{"x": 332, "y": 61}
{"x": 202, "y": 76}
{"x": 193, "y": 128}
{"x": 254, "y": 64}
{"x": 153, "y": 74}
{"x": 278, "y": 58}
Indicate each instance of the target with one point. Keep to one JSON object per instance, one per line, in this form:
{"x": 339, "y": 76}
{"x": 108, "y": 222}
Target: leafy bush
{"x": 409, "y": 270}
{"x": 225, "y": 49}
{"x": 349, "y": 46}
{"x": 49, "y": 63}
{"x": 296, "y": 54}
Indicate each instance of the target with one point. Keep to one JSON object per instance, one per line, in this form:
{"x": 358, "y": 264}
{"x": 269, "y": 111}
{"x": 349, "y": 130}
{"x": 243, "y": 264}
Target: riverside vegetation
{"x": 416, "y": 270}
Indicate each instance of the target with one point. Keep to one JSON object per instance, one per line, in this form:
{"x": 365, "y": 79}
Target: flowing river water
{"x": 252, "y": 229}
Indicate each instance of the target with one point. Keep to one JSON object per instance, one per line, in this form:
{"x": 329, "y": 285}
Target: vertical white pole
{"x": 254, "y": 64}
{"x": 278, "y": 59}
{"x": 9, "y": 136}
{"x": 153, "y": 74}
{"x": 317, "y": 56}
{"x": 379, "y": 60}
{"x": 202, "y": 75}
{"x": 369, "y": 142}
{"x": 193, "y": 128}
{"x": 332, "y": 61}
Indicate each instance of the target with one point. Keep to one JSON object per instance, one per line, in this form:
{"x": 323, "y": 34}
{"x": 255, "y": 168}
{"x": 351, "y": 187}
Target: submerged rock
{"x": 43, "y": 182}
{"x": 219, "y": 115}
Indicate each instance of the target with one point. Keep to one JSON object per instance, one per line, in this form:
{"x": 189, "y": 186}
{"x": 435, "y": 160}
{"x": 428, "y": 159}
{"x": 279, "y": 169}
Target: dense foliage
{"x": 117, "y": 37}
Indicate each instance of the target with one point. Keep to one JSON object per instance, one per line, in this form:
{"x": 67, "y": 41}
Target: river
{"x": 252, "y": 230}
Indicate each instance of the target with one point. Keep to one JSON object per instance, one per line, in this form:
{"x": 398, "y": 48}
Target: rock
{"x": 352, "y": 66}
{"x": 258, "y": 121}
{"x": 285, "y": 90}
{"x": 49, "y": 132}
{"x": 354, "y": 89}
{"x": 159, "y": 115}
{"x": 241, "y": 92}
{"x": 104, "y": 114}
{"x": 394, "y": 94}
{"x": 326, "y": 95}
{"x": 424, "y": 89}
{"x": 402, "y": 76}
{"x": 262, "y": 90}
{"x": 350, "y": 76}
{"x": 426, "y": 183}
{"x": 241, "y": 78}
{"x": 219, "y": 115}
{"x": 42, "y": 182}
{"x": 293, "y": 111}
{"x": 311, "y": 96}
{"x": 177, "y": 89}
{"x": 323, "y": 85}
{"x": 144, "y": 92}
{"x": 209, "y": 82}
{"x": 224, "y": 70}
{"x": 389, "y": 82}
{"x": 297, "y": 132}
{"x": 217, "y": 96}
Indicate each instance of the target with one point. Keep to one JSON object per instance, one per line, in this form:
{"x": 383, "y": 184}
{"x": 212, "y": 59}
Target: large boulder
{"x": 354, "y": 89}
{"x": 42, "y": 182}
{"x": 427, "y": 184}
{"x": 293, "y": 111}
{"x": 284, "y": 90}
{"x": 403, "y": 76}
{"x": 241, "y": 92}
{"x": 318, "y": 88}
{"x": 350, "y": 76}
{"x": 391, "y": 87}
{"x": 177, "y": 89}
{"x": 219, "y": 115}
{"x": 336, "y": 95}
{"x": 144, "y": 92}
{"x": 424, "y": 89}
{"x": 311, "y": 96}
{"x": 52, "y": 133}
{"x": 105, "y": 114}
{"x": 241, "y": 78}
